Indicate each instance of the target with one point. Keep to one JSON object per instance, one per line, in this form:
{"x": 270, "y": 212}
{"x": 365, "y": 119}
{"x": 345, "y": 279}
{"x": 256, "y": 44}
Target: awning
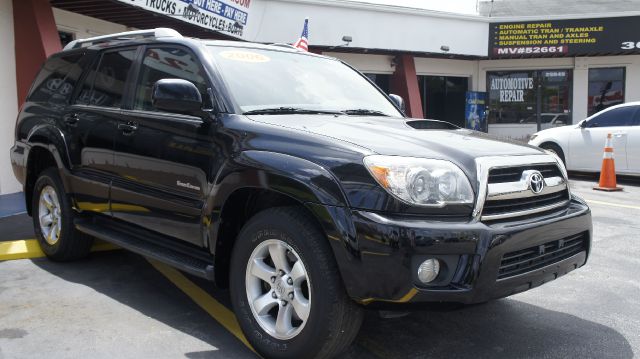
{"x": 124, "y": 14}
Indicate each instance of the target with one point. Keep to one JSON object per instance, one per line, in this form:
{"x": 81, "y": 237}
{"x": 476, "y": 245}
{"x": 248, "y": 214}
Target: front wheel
{"x": 286, "y": 289}
{"x": 53, "y": 218}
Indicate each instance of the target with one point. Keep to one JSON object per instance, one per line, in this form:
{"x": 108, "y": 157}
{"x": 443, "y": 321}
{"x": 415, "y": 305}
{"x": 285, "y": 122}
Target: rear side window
{"x": 56, "y": 80}
{"x": 168, "y": 63}
{"x": 104, "y": 85}
{"x": 622, "y": 116}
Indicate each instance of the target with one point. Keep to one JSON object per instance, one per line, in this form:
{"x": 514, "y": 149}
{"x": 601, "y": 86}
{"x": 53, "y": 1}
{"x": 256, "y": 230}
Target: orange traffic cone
{"x": 608, "y": 171}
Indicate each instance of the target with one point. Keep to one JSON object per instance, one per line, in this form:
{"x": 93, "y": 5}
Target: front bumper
{"x": 392, "y": 247}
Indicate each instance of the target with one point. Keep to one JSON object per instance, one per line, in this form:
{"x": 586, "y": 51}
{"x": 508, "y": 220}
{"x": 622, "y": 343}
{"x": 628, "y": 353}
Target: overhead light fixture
{"x": 346, "y": 39}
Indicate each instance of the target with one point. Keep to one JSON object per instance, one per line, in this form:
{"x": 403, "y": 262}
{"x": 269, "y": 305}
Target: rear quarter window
{"x": 56, "y": 80}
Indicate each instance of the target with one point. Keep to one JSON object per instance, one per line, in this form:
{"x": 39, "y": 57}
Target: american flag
{"x": 303, "y": 41}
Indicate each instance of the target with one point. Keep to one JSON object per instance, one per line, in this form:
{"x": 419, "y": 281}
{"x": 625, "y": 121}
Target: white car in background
{"x": 581, "y": 146}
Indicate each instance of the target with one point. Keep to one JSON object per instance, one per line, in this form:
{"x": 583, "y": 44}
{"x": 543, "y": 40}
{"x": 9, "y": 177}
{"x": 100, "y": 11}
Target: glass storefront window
{"x": 516, "y": 98}
{"x": 606, "y": 88}
{"x": 512, "y": 96}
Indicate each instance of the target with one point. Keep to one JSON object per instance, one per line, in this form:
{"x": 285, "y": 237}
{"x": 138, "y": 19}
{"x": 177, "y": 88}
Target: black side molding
{"x": 175, "y": 258}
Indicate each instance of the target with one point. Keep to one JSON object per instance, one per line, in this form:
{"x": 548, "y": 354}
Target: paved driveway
{"x": 117, "y": 304}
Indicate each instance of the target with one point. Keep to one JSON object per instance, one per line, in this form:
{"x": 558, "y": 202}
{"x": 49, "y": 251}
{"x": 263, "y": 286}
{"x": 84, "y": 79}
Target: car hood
{"x": 395, "y": 136}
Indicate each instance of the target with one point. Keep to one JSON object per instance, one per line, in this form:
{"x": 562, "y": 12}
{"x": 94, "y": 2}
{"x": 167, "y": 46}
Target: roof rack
{"x": 289, "y": 46}
{"x": 161, "y": 32}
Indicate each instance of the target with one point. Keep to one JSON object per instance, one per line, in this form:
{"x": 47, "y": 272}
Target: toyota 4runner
{"x": 289, "y": 178}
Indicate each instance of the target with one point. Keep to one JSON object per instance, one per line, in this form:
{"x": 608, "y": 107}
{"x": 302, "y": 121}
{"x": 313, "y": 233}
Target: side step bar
{"x": 184, "y": 262}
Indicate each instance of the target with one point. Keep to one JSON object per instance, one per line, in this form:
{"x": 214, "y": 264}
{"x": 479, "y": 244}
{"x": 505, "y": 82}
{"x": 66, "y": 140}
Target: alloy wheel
{"x": 50, "y": 215}
{"x": 278, "y": 289}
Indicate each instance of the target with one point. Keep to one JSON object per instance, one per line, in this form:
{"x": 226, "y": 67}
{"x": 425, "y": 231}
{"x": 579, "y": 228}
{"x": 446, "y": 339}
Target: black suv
{"x": 289, "y": 178}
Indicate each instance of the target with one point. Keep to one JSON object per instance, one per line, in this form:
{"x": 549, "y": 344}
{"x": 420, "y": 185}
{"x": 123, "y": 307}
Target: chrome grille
{"x": 513, "y": 174}
{"x": 511, "y": 206}
{"x": 506, "y": 192}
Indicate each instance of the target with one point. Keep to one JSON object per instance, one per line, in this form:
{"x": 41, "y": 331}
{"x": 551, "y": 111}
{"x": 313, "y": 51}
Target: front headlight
{"x": 421, "y": 181}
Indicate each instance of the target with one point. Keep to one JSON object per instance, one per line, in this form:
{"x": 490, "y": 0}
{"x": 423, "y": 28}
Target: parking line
{"x": 612, "y": 204}
{"x": 219, "y": 312}
{"x": 29, "y": 248}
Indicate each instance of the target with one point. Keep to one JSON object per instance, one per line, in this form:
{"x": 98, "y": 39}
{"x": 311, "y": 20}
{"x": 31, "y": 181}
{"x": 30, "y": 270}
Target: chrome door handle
{"x": 620, "y": 134}
{"x": 128, "y": 128}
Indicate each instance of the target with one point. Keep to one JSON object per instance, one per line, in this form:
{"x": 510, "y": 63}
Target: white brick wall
{"x": 8, "y": 98}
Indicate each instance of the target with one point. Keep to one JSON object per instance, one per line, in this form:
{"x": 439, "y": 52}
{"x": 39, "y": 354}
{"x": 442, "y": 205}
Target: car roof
{"x": 626, "y": 104}
{"x": 166, "y": 36}
{"x": 258, "y": 46}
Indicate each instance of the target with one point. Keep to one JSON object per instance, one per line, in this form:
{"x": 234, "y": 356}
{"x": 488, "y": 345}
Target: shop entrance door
{"x": 443, "y": 98}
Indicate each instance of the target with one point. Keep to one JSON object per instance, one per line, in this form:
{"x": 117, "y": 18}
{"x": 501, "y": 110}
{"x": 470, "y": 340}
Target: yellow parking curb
{"x": 21, "y": 249}
{"x": 219, "y": 312}
{"x": 29, "y": 248}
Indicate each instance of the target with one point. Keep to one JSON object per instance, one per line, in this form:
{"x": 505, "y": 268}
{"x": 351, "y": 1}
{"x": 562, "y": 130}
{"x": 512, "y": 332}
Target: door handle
{"x": 620, "y": 134}
{"x": 128, "y": 128}
{"x": 72, "y": 119}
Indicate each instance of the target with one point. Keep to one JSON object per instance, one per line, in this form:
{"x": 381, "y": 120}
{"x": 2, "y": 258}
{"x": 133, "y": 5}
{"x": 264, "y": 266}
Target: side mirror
{"x": 177, "y": 96}
{"x": 583, "y": 124}
{"x": 398, "y": 101}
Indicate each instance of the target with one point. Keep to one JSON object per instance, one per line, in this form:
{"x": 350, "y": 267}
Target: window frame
{"x": 137, "y": 73}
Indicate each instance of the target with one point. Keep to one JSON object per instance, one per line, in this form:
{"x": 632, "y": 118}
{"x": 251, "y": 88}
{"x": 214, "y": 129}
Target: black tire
{"x": 70, "y": 244}
{"x": 334, "y": 319}
{"x": 555, "y": 149}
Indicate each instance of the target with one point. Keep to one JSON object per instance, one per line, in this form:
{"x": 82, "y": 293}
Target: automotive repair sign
{"x": 577, "y": 37}
{"x": 228, "y": 16}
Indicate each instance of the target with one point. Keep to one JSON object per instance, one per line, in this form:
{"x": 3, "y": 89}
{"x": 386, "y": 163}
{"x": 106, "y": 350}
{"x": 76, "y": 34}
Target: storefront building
{"x": 532, "y": 73}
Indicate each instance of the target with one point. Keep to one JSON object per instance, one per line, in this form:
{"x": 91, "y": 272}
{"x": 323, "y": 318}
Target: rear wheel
{"x": 53, "y": 220}
{"x": 553, "y": 148}
{"x": 286, "y": 289}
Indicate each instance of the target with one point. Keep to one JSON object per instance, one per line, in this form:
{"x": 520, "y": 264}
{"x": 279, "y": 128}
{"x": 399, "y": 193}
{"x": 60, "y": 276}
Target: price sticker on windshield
{"x": 244, "y": 56}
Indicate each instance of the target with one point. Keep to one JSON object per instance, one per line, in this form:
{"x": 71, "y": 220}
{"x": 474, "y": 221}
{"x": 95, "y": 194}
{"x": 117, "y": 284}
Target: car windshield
{"x": 275, "y": 82}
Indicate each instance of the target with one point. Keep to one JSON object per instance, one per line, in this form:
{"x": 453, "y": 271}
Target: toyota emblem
{"x": 536, "y": 182}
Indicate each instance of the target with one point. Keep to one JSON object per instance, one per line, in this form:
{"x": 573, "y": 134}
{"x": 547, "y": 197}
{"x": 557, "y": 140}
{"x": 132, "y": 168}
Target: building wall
{"x": 580, "y": 67}
{"x": 84, "y": 26}
{"x": 371, "y": 26}
{"x": 374, "y": 64}
{"x": 8, "y": 98}
{"x": 383, "y": 64}
{"x": 448, "y": 67}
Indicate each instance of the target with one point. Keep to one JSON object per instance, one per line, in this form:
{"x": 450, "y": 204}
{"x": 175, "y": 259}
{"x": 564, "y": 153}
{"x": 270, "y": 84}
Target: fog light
{"x": 428, "y": 270}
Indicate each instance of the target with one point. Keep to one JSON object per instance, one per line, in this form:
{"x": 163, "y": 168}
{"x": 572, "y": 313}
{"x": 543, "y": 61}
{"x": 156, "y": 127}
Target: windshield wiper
{"x": 289, "y": 110}
{"x": 365, "y": 112}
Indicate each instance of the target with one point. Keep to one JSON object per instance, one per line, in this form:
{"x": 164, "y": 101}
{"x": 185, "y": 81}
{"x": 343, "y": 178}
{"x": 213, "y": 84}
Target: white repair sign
{"x": 227, "y": 16}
